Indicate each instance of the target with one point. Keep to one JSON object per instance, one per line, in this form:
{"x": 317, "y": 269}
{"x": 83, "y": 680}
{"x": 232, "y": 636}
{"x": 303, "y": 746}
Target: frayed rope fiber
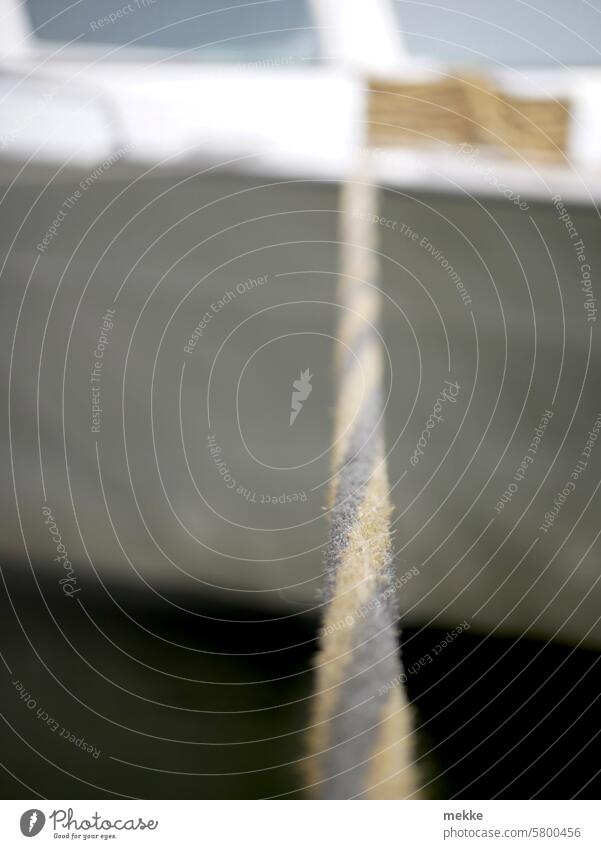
{"x": 361, "y": 730}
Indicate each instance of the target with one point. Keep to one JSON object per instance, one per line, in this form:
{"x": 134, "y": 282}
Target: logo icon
{"x": 302, "y": 389}
{"x": 32, "y": 822}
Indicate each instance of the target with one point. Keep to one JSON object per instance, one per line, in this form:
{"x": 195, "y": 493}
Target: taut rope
{"x": 361, "y": 738}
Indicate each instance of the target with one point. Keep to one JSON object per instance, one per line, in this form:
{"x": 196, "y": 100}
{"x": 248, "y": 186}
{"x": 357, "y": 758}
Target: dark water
{"x": 214, "y": 705}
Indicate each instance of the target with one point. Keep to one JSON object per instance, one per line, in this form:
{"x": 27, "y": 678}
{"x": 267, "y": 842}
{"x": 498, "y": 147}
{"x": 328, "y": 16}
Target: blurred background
{"x": 171, "y": 230}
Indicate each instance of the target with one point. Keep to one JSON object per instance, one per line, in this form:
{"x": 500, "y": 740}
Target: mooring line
{"x": 361, "y": 738}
